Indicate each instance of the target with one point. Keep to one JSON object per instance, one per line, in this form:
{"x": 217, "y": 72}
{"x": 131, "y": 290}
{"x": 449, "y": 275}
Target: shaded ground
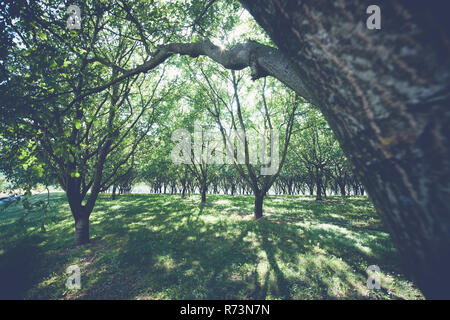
{"x": 164, "y": 247}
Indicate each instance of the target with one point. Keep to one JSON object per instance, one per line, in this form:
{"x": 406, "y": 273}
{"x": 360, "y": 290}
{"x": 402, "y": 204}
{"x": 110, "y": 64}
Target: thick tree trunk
{"x": 385, "y": 94}
{"x": 80, "y": 213}
{"x": 81, "y": 230}
{"x": 259, "y": 199}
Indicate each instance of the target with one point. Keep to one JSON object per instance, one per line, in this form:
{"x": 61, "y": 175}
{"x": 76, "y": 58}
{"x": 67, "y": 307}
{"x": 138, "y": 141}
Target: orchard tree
{"x": 232, "y": 115}
{"x": 315, "y": 149}
{"x": 72, "y": 133}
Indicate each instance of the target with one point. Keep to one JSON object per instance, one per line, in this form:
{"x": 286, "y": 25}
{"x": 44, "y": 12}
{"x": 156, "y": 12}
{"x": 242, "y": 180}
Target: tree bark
{"x": 311, "y": 189}
{"x": 81, "y": 230}
{"x": 203, "y": 191}
{"x": 385, "y": 93}
{"x": 259, "y": 199}
{"x": 318, "y": 184}
{"x": 113, "y": 195}
{"x": 80, "y": 213}
{"x": 342, "y": 188}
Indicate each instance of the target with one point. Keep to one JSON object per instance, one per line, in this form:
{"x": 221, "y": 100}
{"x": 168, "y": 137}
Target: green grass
{"x": 165, "y": 247}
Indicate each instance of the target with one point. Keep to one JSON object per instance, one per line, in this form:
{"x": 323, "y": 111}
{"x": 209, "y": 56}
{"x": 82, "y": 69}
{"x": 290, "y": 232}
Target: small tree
{"x": 225, "y": 107}
{"x": 315, "y": 148}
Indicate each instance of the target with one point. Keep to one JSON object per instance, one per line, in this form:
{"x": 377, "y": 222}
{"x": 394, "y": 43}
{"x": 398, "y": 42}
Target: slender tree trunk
{"x": 355, "y": 190}
{"x": 342, "y": 188}
{"x": 318, "y": 184}
{"x": 113, "y": 196}
{"x": 183, "y": 193}
{"x": 259, "y": 199}
{"x": 204, "y": 189}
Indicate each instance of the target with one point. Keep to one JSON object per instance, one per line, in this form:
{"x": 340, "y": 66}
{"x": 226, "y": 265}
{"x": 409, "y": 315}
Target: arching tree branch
{"x": 263, "y": 61}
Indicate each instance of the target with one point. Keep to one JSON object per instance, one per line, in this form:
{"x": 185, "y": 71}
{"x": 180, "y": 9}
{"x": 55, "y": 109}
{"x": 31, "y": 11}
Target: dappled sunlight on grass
{"x": 165, "y": 247}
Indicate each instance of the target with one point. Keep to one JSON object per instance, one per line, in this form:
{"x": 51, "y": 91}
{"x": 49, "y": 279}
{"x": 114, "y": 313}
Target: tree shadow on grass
{"x": 181, "y": 257}
{"x": 357, "y": 214}
{"x": 177, "y": 253}
{"x": 270, "y": 250}
{"x": 163, "y": 247}
{"x": 17, "y": 268}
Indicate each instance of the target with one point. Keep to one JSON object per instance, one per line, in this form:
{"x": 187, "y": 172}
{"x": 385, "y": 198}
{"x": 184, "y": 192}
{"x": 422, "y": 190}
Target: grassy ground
{"x": 165, "y": 247}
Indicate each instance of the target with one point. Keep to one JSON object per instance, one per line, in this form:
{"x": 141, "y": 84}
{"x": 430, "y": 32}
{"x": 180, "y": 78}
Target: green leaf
{"x": 43, "y": 36}
{"x": 66, "y": 63}
{"x": 75, "y": 174}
